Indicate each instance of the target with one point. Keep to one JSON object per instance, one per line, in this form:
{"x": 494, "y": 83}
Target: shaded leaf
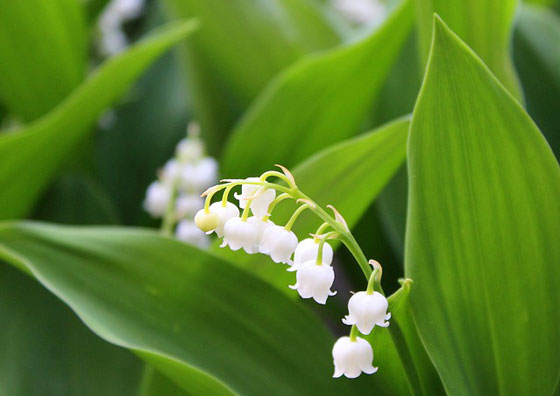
{"x": 27, "y": 166}
{"x": 482, "y": 231}
{"x": 317, "y": 102}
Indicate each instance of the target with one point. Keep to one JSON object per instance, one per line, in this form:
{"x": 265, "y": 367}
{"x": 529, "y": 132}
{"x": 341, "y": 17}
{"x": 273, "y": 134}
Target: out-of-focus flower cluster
{"x": 112, "y": 38}
{"x": 175, "y": 195}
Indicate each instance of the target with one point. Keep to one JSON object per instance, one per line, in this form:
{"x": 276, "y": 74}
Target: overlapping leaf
{"x": 483, "y": 221}
{"x": 31, "y": 156}
{"x": 317, "y": 102}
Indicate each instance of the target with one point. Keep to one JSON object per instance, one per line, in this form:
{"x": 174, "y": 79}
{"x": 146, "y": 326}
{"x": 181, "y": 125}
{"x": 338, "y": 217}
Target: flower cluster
{"x": 252, "y": 230}
{"x": 112, "y": 38}
{"x": 175, "y": 196}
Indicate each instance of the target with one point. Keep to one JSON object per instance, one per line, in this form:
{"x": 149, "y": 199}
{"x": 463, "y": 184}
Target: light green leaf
{"x": 485, "y": 25}
{"x": 537, "y": 58}
{"x": 43, "y": 53}
{"x": 27, "y": 165}
{"x": 47, "y": 351}
{"x": 241, "y": 45}
{"x": 352, "y": 174}
{"x": 482, "y": 234}
{"x": 156, "y": 384}
{"x": 319, "y": 101}
{"x": 211, "y": 328}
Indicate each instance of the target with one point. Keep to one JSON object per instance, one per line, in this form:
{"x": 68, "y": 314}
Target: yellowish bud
{"x": 206, "y": 221}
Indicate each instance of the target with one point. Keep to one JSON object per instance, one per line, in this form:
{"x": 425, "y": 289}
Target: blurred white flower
{"x": 171, "y": 171}
{"x": 308, "y": 249}
{"x": 361, "y": 11}
{"x": 188, "y": 232}
{"x": 239, "y": 233}
{"x": 157, "y": 198}
{"x": 352, "y": 357}
{"x": 366, "y": 311}
{"x": 187, "y": 205}
{"x": 113, "y": 40}
{"x": 224, "y": 213}
{"x": 314, "y": 281}
{"x": 197, "y": 177}
{"x": 189, "y": 150}
{"x": 279, "y": 243}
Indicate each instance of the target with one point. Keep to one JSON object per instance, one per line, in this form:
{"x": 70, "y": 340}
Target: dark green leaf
{"x": 482, "y": 234}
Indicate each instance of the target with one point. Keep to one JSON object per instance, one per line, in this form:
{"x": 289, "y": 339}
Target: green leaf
{"x": 352, "y": 174}
{"x": 43, "y": 53}
{"x": 211, "y": 328}
{"x": 485, "y": 25}
{"x": 482, "y": 233}
{"x": 537, "y": 59}
{"x": 47, "y": 351}
{"x": 156, "y": 384}
{"x": 319, "y": 101}
{"x": 241, "y": 45}
{"x": 27, "y": 165}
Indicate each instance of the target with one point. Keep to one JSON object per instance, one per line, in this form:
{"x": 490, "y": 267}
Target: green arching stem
{"x": 273, "y": 204}
{"x": 279, "y": 175}
{"x": 373, "y": 279}
{"x": 354, "y": 333}
{"x": 226, "y": 194}
{"x": 322, "y": 241}
{"x": 246, "y": 211}
{"x": 169, "y": 218}
{"x": 295, "y": 215}
{"x": 320, "y": 230}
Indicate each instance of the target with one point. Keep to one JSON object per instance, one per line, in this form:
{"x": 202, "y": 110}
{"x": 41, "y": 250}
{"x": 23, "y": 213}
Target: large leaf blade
{"x": 27, "y": 166}
{"x": 317, "y": 102}
{"x": 172, "y": 304}
{"x": 482, "y": 226}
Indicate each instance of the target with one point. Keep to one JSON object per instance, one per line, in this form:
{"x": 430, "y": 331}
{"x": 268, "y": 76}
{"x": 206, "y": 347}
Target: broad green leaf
{"x": 211, "y": 328}
{"x": 47, "y": 351}
{"x": 482, "y": 233}
{"x": 156, "y": 384}
{"x": 537, "y": 58}
{"x": 317, "y": 102}
{"x": 241, "y": 45}
{"x": 348, "y": 175}
{"x": 27, "y": 165}
{"x": 43, "y": 53}
{"x": 485, "y": 25}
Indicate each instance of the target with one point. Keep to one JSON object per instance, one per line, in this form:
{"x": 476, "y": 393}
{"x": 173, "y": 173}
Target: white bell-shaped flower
{"x": 224, "y": 213}
{"x": 261, "y": 226}
{"x": 188, "y": 204}
{"x": 279, "y": 243}
{"x": 314, "y": 281}
{"x": 198, "y": 177}
{"x": 367, "y": 311}
{"x": 352, "y": 357}
{"x": 308, "y": 249}
{"x": 157, "y": 198}
{"x": 262, "y": 200}
{"x": 188, "y": 232}
{"x": 189, "y": 150}
{"x": 239, "y": 233}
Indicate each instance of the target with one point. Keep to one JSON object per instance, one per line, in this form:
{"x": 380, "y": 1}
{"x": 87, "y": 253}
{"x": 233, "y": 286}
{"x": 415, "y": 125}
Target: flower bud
{"x": 351, "y": 358}
{"x": 188, "y": 232}
{"x": 308, "y": 249}
{"x": 279, "y": 243}
{"x": 314, "y": 281}
{"x": 367, "y": 310}
{"x": 239, "y": 234}
{"x": 262, "y": 200}
{"x": 206, "y": 221}
{"x": 157, "y": 198}
{"x": 224, "y": 213}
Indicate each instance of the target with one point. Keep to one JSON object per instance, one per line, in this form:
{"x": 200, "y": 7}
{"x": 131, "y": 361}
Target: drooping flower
{"x": 262, "y": 197}
{"x": 352, "y": 357}
{"x": 224, "y": 213}
{"x": 157, "y": 199}
{"x": 279, "y": 243}
{"x": 366, "y": 311}
{"x": 239, "y": 233}
{"x": 314, "y": 281}
{"x": 308, "y": 249}
{"x": 188, "y": 232}
{"x": 261, "y": 224}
